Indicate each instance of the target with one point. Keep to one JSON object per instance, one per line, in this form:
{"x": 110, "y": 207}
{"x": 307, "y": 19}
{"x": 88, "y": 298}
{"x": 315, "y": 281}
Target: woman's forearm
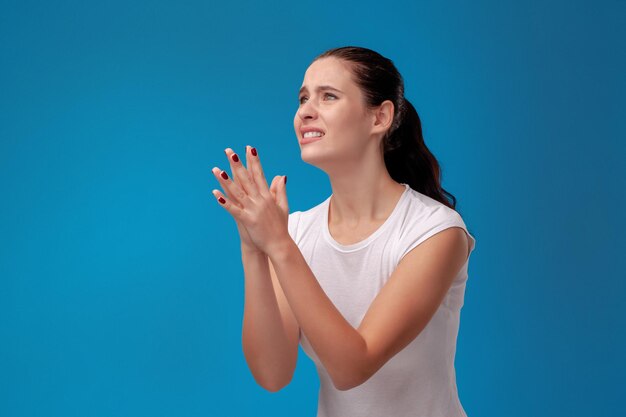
{"x": 339, "y": 346}
{"x": 265, "y": 343}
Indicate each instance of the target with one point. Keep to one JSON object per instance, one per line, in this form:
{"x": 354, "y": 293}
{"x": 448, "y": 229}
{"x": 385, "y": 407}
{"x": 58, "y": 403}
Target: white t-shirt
{"x": 420, "y": 380}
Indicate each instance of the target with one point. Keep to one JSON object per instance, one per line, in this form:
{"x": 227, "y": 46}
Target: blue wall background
{"x": 121, "y": 285}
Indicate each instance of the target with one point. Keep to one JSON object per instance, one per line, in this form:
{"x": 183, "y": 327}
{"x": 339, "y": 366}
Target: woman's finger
{"x": 228, "y": 205}
{"x": 255, "y": 168}
{"x": 274, "y": 186}
{"x": 241, "y": 175}
{"x": 234, "y": 192}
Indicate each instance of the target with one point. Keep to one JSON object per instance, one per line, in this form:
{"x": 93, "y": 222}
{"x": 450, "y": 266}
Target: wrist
{"x": 251, "y": 251}
{"x": 281, "y": 249}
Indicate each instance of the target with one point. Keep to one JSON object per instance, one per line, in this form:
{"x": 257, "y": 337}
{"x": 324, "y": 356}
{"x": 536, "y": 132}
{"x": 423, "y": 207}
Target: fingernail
{"x": 235, "y": 157}
{"x": 221, "y": 200}
{"x": 253, "y": 150}
{"x": 224, "y": 175}
{"x": 285, "y": 179}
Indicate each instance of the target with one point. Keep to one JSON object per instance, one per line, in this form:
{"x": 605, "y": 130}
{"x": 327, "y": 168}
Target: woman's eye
{"x": 301, "y": 99}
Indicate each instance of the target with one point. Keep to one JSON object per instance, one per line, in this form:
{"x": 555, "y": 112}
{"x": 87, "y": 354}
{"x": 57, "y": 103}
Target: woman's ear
{"x": 383, "y": 117}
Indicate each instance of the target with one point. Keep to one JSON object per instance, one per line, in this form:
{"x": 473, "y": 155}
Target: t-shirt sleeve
{"x": 292, "y": 225}
{"x": 421, "y": 230}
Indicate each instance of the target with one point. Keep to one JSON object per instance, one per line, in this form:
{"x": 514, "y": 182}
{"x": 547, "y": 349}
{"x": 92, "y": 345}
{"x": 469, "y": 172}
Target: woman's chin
{"x": 310, "y": 156}
{"x": 318, "y": 159}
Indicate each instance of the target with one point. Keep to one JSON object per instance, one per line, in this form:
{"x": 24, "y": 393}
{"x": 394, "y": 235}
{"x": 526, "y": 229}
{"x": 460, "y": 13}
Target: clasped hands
{"x": 261, "y": 212}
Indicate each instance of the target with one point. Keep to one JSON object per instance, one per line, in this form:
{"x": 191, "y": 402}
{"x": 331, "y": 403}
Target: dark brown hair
{"x": 407, "y": 158}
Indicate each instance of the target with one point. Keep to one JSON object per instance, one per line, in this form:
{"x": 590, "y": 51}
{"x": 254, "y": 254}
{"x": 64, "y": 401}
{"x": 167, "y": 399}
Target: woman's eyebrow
{"x": 320, "y": 88}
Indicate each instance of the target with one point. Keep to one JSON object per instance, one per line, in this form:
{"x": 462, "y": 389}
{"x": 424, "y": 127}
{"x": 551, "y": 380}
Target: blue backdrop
{"x": 121, "y": 284}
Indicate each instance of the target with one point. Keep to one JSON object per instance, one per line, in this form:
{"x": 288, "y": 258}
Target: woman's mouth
{"x": 309, "y": 137}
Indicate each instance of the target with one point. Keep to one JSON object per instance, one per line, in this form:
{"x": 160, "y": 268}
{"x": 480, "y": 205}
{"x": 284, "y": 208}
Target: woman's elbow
{"x": 347, "y": 385}
{"x": 351, "y": 380}
{"x": 273, "y": 385}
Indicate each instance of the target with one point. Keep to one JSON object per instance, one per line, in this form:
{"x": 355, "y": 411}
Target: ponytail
{"x": 407, "y": 158}
{"x": 409, "y": 161}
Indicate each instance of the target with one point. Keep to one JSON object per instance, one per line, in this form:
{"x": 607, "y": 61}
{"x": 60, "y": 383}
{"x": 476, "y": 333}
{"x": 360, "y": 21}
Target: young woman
{"x": 370, "y": 281}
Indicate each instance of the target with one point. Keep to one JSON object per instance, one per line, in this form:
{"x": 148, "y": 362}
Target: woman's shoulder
{"x": 311, "y": 212}
{"x": 422, "y": 218}
{"x": 301, "y": 219}
{"x": 423, "y": 214}
{"x": 421, "y": 206}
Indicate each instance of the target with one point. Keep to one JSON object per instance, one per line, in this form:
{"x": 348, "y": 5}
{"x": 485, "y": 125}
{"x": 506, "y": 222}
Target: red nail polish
{"x": 235, "y": 157}
{"x": 285, "y": 179}
{"x": 253, "y": 151}
{"x": 224, "y": 175}
{"x": 221, "y": 200}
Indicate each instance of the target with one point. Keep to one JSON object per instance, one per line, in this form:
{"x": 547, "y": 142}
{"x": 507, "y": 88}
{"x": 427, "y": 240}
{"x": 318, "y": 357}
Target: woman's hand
{"x": 261, "y": 213}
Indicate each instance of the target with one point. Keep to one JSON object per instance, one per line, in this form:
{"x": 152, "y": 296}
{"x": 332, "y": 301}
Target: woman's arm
{"x": 397, "y": 315}
{"x": 270, "y": 331}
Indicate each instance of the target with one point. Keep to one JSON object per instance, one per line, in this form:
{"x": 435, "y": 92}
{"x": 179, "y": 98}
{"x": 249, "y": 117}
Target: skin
{"x": 363, "y": 192}
{"x": 363, "y": 197}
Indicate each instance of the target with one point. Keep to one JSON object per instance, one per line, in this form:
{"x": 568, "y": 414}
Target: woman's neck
{"x": 360, "y": 202}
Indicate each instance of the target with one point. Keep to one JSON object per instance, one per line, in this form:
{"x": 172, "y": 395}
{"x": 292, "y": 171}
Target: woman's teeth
{"x": 312, "y": 134}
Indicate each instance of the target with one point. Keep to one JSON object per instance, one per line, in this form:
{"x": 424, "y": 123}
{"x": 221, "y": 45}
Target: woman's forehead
{"x": 327, "y": 71}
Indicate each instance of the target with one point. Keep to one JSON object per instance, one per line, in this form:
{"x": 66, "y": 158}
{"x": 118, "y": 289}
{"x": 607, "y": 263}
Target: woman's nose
{"x": 307, "y": 110}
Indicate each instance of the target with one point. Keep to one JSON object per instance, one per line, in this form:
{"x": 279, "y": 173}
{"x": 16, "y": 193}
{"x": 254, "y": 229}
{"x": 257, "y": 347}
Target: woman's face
{"x": 330, "y": 102}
